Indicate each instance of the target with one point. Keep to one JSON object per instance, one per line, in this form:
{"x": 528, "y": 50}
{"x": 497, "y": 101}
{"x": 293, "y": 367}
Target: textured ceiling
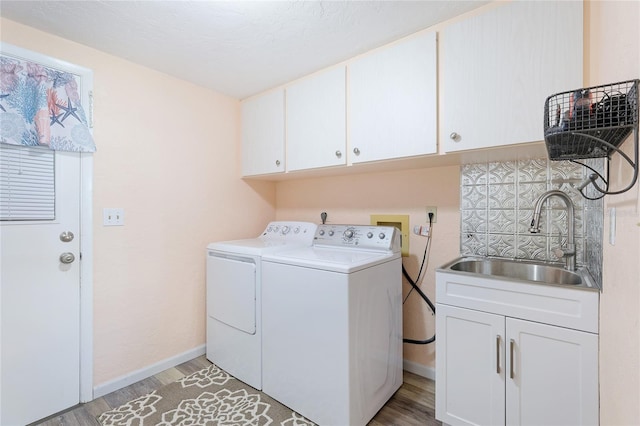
{"x": 238, "y": 48}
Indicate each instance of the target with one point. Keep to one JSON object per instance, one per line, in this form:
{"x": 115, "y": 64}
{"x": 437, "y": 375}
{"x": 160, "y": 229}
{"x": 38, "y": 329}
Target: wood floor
{"x": 413, "y": 404}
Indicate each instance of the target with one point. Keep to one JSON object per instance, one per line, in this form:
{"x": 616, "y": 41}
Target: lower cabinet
{"x": 492, "y": 369}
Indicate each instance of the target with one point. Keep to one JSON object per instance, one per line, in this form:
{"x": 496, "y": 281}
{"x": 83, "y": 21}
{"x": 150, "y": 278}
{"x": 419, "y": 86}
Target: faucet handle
{"x": 567, "y": 251}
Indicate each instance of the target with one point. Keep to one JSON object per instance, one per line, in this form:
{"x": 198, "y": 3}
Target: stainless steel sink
{"x": 520, "y": 270}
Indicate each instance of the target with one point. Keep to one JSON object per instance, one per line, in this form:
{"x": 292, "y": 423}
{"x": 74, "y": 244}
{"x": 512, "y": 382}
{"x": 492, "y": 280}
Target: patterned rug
{"x": 207, "y": 397}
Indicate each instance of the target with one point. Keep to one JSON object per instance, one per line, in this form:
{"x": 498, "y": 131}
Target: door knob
{"x": 66, "y": 236}
{"x": 67, "y": 257}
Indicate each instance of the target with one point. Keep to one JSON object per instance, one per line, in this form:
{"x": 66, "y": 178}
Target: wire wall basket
{"x": 590, "y": 122}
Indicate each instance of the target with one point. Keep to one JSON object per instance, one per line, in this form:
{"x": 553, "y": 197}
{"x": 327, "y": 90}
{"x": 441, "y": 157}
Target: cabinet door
{"x": 263, "y": 134}
{"x": 470, "y": 367}
{"x": 316, "y": 121}
{"x": 392, "y": 101}
{"x": 552, "y": 375}
{"x": 498, "y": 68}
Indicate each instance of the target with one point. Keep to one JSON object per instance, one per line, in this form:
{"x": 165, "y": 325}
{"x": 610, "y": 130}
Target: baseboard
{"x": 419, "y": 369}
{"x": 143, "y": 373}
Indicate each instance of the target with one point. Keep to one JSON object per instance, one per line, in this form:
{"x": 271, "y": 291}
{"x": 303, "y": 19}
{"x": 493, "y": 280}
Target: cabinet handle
{"x": 498, "y": 354}
{"x": 454, "y": 136}
{"x": 338, "y": 154}
{"x": 277, "y": 162}
{"x": 356, "y": 151}
{"x": 512, "y": 345}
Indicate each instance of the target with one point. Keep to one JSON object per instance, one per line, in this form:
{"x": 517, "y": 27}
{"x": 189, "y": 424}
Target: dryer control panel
{"x": 367, "y": 237}
{"x": 289, "y": 231}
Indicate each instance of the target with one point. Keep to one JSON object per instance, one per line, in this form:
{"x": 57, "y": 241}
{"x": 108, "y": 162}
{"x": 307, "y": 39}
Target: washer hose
{"x": 426, "y": 299}
{"x": 414, "y": 286}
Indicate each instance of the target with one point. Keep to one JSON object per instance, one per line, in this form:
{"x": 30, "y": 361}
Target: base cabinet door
{"x": 470, "y": 367}
{"x": 552, "y": 375}
{"x": 496, "y": 370}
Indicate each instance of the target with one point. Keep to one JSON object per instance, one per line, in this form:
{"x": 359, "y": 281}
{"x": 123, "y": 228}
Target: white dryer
{"x": 332, "y": 324}
{"x": 234, "y": 322}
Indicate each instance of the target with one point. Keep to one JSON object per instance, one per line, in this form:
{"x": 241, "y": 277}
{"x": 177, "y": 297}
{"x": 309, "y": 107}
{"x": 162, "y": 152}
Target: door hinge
{"x": 91, "y": 109}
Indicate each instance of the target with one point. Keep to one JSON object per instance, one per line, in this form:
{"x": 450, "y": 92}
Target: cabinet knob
{"x": 277, "y": 162}
{"x": 338, "y": 154}
{"x": 454, "y": 136}
{"x": 356, "y": 151}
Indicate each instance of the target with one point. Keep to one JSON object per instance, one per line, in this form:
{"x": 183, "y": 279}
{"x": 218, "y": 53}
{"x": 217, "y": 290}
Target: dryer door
{"x": 231, "y": 291}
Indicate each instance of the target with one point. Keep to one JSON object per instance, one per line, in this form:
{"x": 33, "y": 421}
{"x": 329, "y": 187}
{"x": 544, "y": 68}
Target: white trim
{"x": 86, "y": 277}
{"x": 419, "y": 369}
{"x": 143, "y": 373}
{"x": 85, "y": 392}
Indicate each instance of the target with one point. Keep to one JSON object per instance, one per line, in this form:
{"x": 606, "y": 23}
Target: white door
{"x": 392, "y": 101}
{"x": 231, "y": 282}
{"x": 470, "y": 367}
{"x": 498, "y": 67}
{"x": 263, "y": 134}
{"x": 316, "y": 121}
{"x": 553, "y": 375}
{"x": 40, "y": 305}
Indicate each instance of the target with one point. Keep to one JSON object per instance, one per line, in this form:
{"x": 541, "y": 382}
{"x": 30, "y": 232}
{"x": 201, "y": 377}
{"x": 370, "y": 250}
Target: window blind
{"x": 27, "y": 183}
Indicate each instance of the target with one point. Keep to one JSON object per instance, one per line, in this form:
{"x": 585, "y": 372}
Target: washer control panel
{"x": 366, "y": 237}
{"x": 289, "y": 231}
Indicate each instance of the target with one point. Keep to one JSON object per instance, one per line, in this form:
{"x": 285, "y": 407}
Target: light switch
{"x": 612, "y": 226}
{"x": 113, "y": 217}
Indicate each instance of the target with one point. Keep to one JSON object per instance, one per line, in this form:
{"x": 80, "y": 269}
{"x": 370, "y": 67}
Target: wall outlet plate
{"x": 434, "y": 210}
{"x": 113, "y": 217}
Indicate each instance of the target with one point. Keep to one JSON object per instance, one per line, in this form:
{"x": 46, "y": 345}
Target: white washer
{"x": 332, "y": 324}
{"x": 234, "y": 323}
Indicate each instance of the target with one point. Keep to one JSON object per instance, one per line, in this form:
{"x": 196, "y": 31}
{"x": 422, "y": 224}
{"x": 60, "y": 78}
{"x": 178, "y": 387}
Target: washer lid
{"x": 331, "y": 259}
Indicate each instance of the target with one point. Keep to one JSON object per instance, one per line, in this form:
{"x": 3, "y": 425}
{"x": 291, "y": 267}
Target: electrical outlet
{"x": 434, "y": 210}
{"x": 113, "y": 217}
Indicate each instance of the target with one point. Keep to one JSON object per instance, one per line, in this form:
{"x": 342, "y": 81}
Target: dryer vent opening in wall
{"x": 400, "y": 221}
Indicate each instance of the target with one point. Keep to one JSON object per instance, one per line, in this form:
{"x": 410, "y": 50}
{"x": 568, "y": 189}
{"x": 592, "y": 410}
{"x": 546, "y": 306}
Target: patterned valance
{"x": 40, "y": 106}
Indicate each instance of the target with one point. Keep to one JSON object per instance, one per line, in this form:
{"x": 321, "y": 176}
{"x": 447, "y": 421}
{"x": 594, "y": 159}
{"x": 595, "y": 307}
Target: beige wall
{"x": 168, "y": 154}
{"x": 613, "y": 54}
{"x": 353, "y": 198}
{"x": 169, "y": 169}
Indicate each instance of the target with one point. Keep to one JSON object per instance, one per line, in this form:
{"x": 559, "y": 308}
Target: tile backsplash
{"x": 497, "y": 202}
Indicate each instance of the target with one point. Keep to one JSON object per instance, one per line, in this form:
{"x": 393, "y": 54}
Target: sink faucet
{"x": 569, "y": 252}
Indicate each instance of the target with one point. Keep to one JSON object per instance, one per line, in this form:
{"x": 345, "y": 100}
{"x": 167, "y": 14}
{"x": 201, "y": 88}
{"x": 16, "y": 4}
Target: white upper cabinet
{"x": 263, "y": 134}
{"x": 392, "y": 101}
{"x": 316, "y": 121}
{"x": 498, "y": 68}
